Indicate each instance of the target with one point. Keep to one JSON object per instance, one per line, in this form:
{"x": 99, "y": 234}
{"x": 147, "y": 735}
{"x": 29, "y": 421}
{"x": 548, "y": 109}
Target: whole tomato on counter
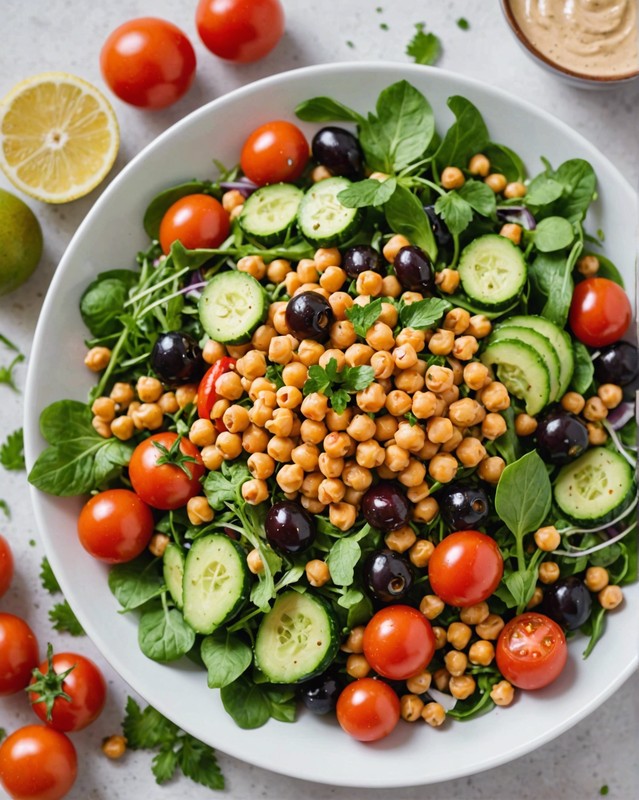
{"x": 6, "y": 566}
{"x": 37, "y": 763}
{"x": 18, "y": 654}
{"x": 240, "y": 30}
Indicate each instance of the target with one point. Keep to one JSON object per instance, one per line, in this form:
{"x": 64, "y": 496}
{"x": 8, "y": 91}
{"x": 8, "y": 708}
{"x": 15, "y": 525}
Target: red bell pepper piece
{"x": 206, "y": 394}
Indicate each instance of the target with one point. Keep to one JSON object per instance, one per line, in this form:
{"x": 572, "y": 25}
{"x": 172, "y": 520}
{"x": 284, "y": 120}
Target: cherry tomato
{"x": 148, "y": 62}
{"x": 368, "y": 709}
{"x": 206, "y": 394}
{"x": 275, "y": 152}
{"x": 531, "y": 651}
{"x": 240, "y": 30}
{"x": 600, "y": 312}
{"x": 197, "y": 220}
{"x": 115, "y": 526}
{"x": 165, "y": 470}
{"x": 83, "y": 684}
{"x": 465, "y": 568}
{"x": 37, "y": 763}
{"x": 6, "y": 566}
{"x": 399, "y": 642}
{"x": 18, "y": 654}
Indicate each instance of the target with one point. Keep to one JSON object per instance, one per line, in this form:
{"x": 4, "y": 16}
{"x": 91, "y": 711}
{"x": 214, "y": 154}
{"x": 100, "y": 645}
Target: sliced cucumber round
{"x": 269, "y": 213}
{"x": 232, "y": 305}
{"x": 595, "y": 488}
{"x": 216, "y": 582}
{"x": 522, "y": 371}
{"x": 322, "y": 219}
{"x": 541, "y": 344}
{"x": 492, "y": 271}
{"x": 173, "y": 569}
{"x": 297, "y": 639}
{"x": 557, "y": 337}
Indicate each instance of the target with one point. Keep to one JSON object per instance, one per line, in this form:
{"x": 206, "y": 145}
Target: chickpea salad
{"x": 362, "y": 436}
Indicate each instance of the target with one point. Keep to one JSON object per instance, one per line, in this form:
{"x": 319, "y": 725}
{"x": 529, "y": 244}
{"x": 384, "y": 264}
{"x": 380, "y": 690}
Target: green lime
{"x": 20, "y": 242}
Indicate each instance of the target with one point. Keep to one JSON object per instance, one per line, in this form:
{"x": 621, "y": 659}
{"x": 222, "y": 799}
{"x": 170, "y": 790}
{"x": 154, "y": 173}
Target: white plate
{"x": 313, "y": 748}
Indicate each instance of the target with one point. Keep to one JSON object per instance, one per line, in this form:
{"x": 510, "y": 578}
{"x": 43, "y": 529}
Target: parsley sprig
{"x": 364, "y": 317}
{"x": 148, "y": 730}
{"x": 336, "y": 384}
{"x": 6, "y": 372}
{"x": 12, "y": 451}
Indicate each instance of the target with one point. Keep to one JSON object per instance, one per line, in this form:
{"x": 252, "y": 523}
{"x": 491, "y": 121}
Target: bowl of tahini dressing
{"x": 591, "y": 43}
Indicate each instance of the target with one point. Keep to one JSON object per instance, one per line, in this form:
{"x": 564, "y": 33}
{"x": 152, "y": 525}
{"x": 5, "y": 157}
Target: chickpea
{"x": 423, "y": 404}
{"x": 254, "y": 562}
{"x": 310, "y": 485}
{"x": 536, "y": 599}
{"x": 340, "y": 302}
{"x": 410, "y": 707}
{"x": 229, "y": 444}
{"x": 434, "y": 714}
{"x": 229, "y": 386}
{"x": 277, "y": 270}
{"x": 252, "y": 365}
{"x": 315, "y": 406}
{"x": 236, "y": 419}
{"x": 386, "y": 427}
{"x": 410, "y": 380}
{"x": 475, "y": 375}
{"x": 440, "y": 637}
{"x": 595, "y": 410}
{"x": 456, "y": 662}
{"x": 443, "y": 467}
{"x": 353, "y": 497}
{"x": 380, "y": 336}
{"x": 463, "y": 412}
{"x": 343, "y": 334}
{"x": 114, "y": 747}
{"x": 203, "y": 432}
{"x": 281, "y": 423}
{"x": 317, "y": 572}
{"x": 404, "y": 356}
{"x": 514, "y": 189}
{"x": 122, "y": 394}
{"x": 370, "y": 454}
{"x": 490, "y": 469}
{"x": 453, "y": 443}
{"x": 396, "y": 458}
{"x": 525, "y": 425}
{"x": 330, "y": 467}
{"x": 326, "y": 257}
{"x": 355, "y": 641}
{"x": 104, "y": 408}
{"x": 452, "y": 178}
{"x": 149, "y": 416}
{"x": 391, "y": 287}
{"x": 280, "y": 448}
{"x": 401, "y": 539}
{"x": 331, "y": 490}
{"x": 420, "y": 553}
{"x": 439, "y": 379}
{"x": 490, "y": 628}
{"x": 412, "y": 336}
{"x": 313, "y": 431}
{"x": 547, "y": 538}
{"x": 369, "y": 283}
{"x": 596, "y": 433}
{"x": 610, "y": 395}
{"x": 479, "y": 165}
{"x": 502, "y": 693}
{"x": 465, "y": 347}
{"x": 357, "y": 666}
{"x": 393, "y": 246}
{"x": 596, "y": 579}
{"x": 462, "y": 686}
{"x": 310, "y": 352}
{"x": 358, "y": 354}
{"x": 307, "y": 271}
{"x": 548, "y": 572}
{"x": 277, "y": 316}
{"x": 480, "y": 326}
{"x": 253, "y": 265}
{"x": 493, "y": 426}
{"x": 361, "y": 428}
{"x": 199, "y": 511}
{"x": 511, "y": 231}
{"x": 470, "y": 451}
{"x": 97, "y": 358}
{"x": 481, "y": 653}
{"x": 292, "y": 283}
{"x": 439, "y": 429}
{"x": 104, "y": 428}
{"x": 337, "y": 444}
{"x": 290, "y": 478}
{"x": 475, "y": 614}
{"x": 588, "y": 266}
{"x": 431, "y": 606}
{"x": 425, "y": 510}
{"x": 261, "y": 465}
{"x": 447, "y": 280}
{"x": 413, "y": 474}
{"x": 123, "y": 428}
{"x": 457, "y": 321}
{"x": 356, "y": 476}
{"x": 441, "y": 343}
{"x": 610, "y": 597}
{"x": 398, "y": 403}
{"x": 496, "y": 181}
{"x": 262, "y": 337}
{"x": 410, "y": 437}
{"x": 372, "y": 398}
{"x": 295, "y": 374}
{"x": 418, "y": 493}
{"x": 342, "y": 515}
{"x": 212, "y": 457}
{"x": 459, "y": 635}
{"x": 495, "y": 397}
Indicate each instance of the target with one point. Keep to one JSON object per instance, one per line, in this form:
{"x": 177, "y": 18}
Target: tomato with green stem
{"x": 276, "y": 152}
{"x": 6, "y": 566}
{"x": 465, "y": 568}
{"x": 165, "y": 470}
{"x": 206, "y": 393}
{"x": 148, "y": 62}
{"x": 18, "y": 654}
{"x": 196, "y": 221}
{"x": 115, "y": 526}
{"x": 399, "y": 642}
{"x": 240, "y": 30}
{"x": 531, "y": 651}
{"x": 37, "y": 763}
{"x": 368, "y": 709}
{"x": 600, "y": 312}
{"x": 67, "y": 691}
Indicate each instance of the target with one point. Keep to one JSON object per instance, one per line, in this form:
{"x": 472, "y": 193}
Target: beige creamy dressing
{"x": 593, "y": 37}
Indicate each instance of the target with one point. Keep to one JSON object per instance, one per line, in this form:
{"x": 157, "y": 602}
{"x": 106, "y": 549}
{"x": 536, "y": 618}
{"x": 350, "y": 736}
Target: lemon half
{"x": 59, "y": 137}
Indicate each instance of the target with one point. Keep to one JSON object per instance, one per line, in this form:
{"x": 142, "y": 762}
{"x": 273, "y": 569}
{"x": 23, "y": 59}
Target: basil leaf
{"x": 364, "y": 317}
{"x": 342, "y": 559}
{"x": 553, "y": 233}
{"x": 226, "y": 657}
{"x": 246, "y": 703}
{"x": 406, "y": 215}
{"x": 136, "y": 582}
{"x": 164, "y": 636}
{"x": 424, "y": 313}
{"x": 467, "y": 136}
{"x": 161, "y": 203}
{"x": 375, "y": 145}
{"x": 524, "y": 495}
{"x": 407, "y": 121}
{"x": 455, "y": 211}
{"x": 367, "y": 193}
{"x": 584, "y": 368}
{"x": 506, "y": 161}
{"x": 579, "y": 181}
{"x": 103, "y": 301}
{"x": 325, "y": 109}
{"x": 480, "y": 197}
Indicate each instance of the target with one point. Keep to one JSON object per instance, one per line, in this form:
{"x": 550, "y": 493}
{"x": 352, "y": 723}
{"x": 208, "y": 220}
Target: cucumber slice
{"x": 557, "y": 337}
{"x": 216, "y": 582}
{"x": 173, "y": 569}
{"x": 492, "y": 271}
{"x": 322, "y": 219}
{"x": 541, "y": 345}
{"x": 232, "y": 305}
{"x": 297, "y": 639}
{"x": 269, "y": 212}
{"x": 595, "y": 488}
{"x": 522, "y": 371}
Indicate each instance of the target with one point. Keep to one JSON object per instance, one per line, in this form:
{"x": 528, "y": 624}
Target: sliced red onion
{"x": 518, "y": 214}
{"x": 621, "y": 415}
{"x": 243, "y": 185}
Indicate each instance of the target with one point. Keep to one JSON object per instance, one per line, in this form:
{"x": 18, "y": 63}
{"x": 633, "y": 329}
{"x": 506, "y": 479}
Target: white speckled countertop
{"x": 41, "y": 35}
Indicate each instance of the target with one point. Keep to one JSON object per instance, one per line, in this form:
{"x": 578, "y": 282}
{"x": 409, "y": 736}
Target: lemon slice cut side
{"x": 59, "y": 137}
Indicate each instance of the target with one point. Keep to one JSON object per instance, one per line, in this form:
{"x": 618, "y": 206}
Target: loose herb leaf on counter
{"x": 4, "y": 506}
{"x": 424, "y": 48}
{"x": 63, "y": 619}
{"x": 47, "y": 578}
{"x": 12, "y": 451}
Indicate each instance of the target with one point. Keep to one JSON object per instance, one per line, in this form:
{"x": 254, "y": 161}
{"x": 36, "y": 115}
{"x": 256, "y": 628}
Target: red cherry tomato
{"x": 600, "y": 312}
{"x": 6, "y": 566}
{"x": 206, "y": 394}
{"x": 275, "y": 152}
{"x": 18, "y": 654}
{"x": 84, "y": 686}
{"x": 399, "y": 642}
{"x": 368, "y": 709}
{"x": 465, "y": 568}
{"x": 37, "y": 763}
{"x": 197, "y": 220}
{"x": 148, "y": 62}
{"x": 531, "y": 651}
{"x": 115, "y": 526}
{"x": 165, "y": 470}
{"x": 240, "y": 30}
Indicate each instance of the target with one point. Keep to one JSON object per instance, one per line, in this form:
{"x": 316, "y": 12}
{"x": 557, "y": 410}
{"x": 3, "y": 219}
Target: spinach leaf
{"x": 551, "y": 279}
{"x": 594, "y": 627}
{"x": 628, "y": 434}
{"x": 325, "y": 109}
{"x": 524, "y": 495}
{"x": 367, "y": 193}
{"x": 506, "y": 161}
{"x": 479, "y": 197}
{"x": 465, "y": 137}
{"x": 360, "y": 612}
{"x": 281, "y": 700}
{"x": 607, "y": 269}
{"x": 584, "y": 368}
{"x": 407, "y": 123}
{"x": 246, "y": 703}
{"x": 424, "y": 313}
{"x": 542, "y": 191}
{"x": 521, "y": 584}
{"x": 161, "y": 203}
{"x": 164, "y": 635}
{"x": 579, "y": 181}
{"x": 508, "y": 445}
{"x": 103, "y": 301}
{"x": 226, "y": 657}
{"x": 342, "y": 559}
{"x": 479, "y": 702}
{"x": 406, "y": 215}
{"x": 136, "y": 582}
{"x": 65, "y": 419}
{"x": 553, "y": 233}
